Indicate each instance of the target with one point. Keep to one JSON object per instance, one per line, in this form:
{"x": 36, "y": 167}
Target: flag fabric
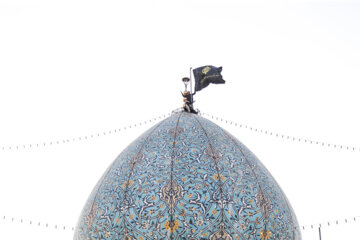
{"x": 207, "y": 74}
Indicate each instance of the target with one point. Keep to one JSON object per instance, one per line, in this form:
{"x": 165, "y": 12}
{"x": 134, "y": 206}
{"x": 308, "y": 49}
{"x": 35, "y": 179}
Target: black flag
{"x": 206, "y": 75}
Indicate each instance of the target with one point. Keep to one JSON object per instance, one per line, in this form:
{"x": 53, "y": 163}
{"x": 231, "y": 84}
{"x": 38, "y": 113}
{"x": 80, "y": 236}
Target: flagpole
{"x": 190, "y": 81}
{"x": 191, "y": 90}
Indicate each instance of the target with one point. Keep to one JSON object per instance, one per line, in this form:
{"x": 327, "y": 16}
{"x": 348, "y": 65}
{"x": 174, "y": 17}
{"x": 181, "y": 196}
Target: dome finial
{"x": 203, "y": 77}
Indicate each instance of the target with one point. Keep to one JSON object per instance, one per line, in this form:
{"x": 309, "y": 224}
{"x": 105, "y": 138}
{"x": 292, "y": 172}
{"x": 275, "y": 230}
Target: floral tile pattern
{"x": 187, "y": 178}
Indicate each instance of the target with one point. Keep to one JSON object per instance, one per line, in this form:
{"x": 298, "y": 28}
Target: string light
{"x": 82, "y": 138}
{"x": 291, "y": 138}
{"x": 38, "y": 224}
{"x": 266, "y": 132}
{"x": 331, "y": 223}
{"x": 66, "y": 228}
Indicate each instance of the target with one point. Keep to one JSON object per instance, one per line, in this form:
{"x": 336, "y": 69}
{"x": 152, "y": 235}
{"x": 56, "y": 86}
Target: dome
{"x": 187, "y": 178}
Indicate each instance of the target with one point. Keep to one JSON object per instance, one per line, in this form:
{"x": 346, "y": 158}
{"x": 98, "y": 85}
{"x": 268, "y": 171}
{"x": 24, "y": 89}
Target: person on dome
{"x": 188, "y": 102}
{"x": 188, "y": 98}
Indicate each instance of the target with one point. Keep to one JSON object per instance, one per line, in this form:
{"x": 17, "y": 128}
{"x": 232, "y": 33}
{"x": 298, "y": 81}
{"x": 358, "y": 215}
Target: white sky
{"x": 74, "y": 68}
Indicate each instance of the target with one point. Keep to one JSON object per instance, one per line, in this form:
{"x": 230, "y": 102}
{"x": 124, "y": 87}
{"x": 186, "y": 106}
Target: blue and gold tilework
{"x": 187, "y": 178}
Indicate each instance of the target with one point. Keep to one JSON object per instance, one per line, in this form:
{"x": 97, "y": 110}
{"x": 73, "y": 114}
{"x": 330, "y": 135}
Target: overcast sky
{"x": 69, "y": 69}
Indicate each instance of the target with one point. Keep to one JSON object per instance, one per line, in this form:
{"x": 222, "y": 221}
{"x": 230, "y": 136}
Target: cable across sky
{"x": 160, "y": 117}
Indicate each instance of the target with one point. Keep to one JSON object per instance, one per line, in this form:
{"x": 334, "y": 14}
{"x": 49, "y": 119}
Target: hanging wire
{"x": 83, "y": 138}
{"x": 114, "y": 131}
{"x": 286, "y": 137}
{"x": 37, "y": 223}
{"x": 67, "y": 228}
{"x": 331, "y": 223}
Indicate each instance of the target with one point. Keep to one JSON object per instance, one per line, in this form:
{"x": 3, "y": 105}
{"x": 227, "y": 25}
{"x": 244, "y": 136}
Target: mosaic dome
{"x": 187, "y": 178}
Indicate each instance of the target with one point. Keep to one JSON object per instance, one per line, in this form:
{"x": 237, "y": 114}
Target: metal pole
{"x": 190, "y": 81}
{"x": 191, "y": 91}
{"x": 320, "y": 233}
